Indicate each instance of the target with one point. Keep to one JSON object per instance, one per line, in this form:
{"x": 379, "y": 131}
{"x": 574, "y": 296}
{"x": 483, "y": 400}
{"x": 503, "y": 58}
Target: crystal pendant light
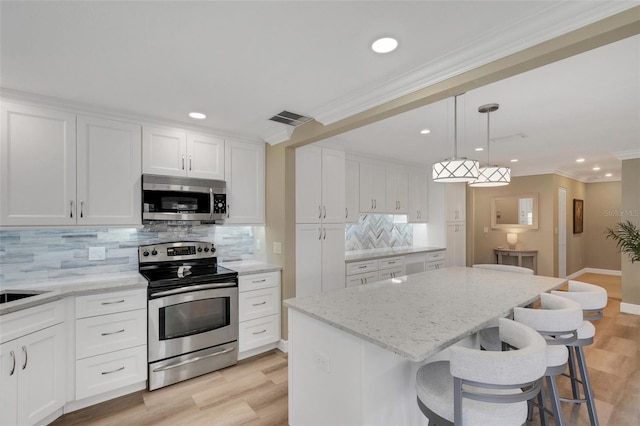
{"x": 491, "y": 175}
{"x": 455, "y": 169}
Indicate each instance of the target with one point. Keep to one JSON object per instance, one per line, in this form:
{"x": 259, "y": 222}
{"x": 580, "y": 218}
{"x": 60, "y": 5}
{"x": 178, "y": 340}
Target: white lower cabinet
{"x": 258, "y": 313}
{"x": 368, "y": 271}
{"x": 111, "y": 341}
{"x": 32, "y": 367}
{"x": 436, "y": 260}
{"x": 364, "y": 278}
{"x": 456, "y": 244}
{"x": 319, "y": 258}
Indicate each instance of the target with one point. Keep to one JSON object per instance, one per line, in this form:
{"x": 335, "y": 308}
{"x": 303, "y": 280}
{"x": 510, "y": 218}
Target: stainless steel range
{"x": 192, "y": 309}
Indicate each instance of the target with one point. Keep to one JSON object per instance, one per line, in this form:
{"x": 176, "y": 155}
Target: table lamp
{"x": 512, "y": 239}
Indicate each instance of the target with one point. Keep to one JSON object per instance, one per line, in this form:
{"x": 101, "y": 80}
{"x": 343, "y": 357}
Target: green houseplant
{"x": 627, "y": 237}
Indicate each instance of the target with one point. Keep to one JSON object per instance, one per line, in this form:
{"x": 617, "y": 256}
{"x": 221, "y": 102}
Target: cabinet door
{"x": 333, "y": 186}
{"x": 372, "y": 188}
{"x": 418, "y": 197}
{"x": 109, "y": 168}
{"x": 352, "y": 191}
{"x": 244, "y": 173}
{"x": 397, "y": 184}
{"x": 308, "y": 259}
{"x": 333, "y": 266}
{"x": 38, "y": 166}
{"x": 9, "y": 369}
{"x": 42, "y": 381}
{"x": 164, "y": 151}
{"x": 309, "y": 184}
{"x": 205, "y": 156}
{"x": 456, "y": 201}
{"x": 456, "y": 243}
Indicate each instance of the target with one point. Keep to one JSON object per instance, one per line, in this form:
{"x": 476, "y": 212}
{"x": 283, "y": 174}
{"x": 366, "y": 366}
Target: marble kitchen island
{"x": 354, "y": 352}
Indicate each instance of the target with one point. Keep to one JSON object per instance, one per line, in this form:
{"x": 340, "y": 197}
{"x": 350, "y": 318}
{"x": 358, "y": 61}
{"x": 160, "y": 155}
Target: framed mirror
{"x": 518, "y": 211}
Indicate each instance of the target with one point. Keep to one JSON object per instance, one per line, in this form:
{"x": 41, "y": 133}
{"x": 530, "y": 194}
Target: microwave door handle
{"x": 211, "y": 203}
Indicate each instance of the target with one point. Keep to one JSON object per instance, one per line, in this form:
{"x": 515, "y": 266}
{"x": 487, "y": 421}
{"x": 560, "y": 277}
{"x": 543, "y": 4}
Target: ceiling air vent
{"x": 290, "y": 118}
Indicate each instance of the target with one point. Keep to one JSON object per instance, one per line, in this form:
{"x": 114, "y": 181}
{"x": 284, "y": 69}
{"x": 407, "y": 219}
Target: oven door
{"x": 191, "y": 318}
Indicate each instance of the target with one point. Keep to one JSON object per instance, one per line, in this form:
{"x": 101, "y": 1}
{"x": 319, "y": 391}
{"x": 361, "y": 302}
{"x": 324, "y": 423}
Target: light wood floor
{"x": 254, "y": 392}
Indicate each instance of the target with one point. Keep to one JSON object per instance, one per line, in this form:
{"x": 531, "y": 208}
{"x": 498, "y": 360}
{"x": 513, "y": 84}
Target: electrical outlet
{"x": 322, "y": 361}
{"x": 96, "y": 253}
{"x": 277, "y": 247}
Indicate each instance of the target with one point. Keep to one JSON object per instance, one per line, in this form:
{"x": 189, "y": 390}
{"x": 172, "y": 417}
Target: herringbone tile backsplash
{"x": 377, "y": 231}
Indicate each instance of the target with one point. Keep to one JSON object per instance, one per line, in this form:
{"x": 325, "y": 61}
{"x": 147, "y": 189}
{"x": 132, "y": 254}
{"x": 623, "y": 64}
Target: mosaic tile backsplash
{"x": 43, "y": 254}
{"x": 377, "y": 231}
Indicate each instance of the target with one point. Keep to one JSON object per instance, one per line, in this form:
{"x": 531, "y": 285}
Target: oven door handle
{"x": 190, "y": 289}
{"x": 189, "y": 361}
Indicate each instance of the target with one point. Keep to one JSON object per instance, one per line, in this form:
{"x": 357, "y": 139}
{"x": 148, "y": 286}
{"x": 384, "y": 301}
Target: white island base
{"x": 336, "y": 378}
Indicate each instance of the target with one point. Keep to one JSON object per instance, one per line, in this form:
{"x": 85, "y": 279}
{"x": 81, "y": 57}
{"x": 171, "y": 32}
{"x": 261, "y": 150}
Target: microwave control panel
{"x": 219, "y": 203}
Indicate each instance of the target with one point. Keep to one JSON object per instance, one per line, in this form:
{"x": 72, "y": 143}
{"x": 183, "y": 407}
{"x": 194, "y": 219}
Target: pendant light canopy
{"x": 491, "y": 175}
{"x": 455, "y": 169}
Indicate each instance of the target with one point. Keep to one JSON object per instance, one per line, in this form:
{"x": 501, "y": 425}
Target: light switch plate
{"x": 277, "y": 247}
{"x": 96, "y": 253}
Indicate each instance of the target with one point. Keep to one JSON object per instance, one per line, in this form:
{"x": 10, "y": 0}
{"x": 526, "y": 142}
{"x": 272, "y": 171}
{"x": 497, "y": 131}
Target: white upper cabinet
{"x": 418, "y": 197}
{"x": 173, "y": 152}
{"x": 456, "y": 194}
{"x": 109, "y": 168}
{"x": 164, "y": 151}
{"x": 352, "y": 191}
{"x": 59, "y": 169}
{"x": 244, "y": 167}
{"x": 397, "y": 180}
{"x": 38, "y": 162}
{"x": 372, "y": 188}
{"x": 205, "y": 156}
{"x": 320, "y": 185}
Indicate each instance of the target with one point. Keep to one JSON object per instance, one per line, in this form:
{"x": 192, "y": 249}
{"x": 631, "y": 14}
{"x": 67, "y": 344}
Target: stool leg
{"x": 555, "y": 402}
{"x": 586, "y": 384}
{"x": 543, "y": 415}
{"x": 572, "y": 374}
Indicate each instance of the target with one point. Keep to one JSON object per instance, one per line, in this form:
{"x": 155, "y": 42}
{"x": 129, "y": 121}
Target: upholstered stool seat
{"x": 481, "y": 388}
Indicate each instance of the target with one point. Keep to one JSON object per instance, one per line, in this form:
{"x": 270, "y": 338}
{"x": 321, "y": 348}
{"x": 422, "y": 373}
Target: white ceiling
{"x": 242, "y": 62}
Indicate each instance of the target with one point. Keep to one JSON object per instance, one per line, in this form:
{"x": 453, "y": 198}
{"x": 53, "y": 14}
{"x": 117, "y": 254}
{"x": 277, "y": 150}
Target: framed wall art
{"x": 578, "y": 216}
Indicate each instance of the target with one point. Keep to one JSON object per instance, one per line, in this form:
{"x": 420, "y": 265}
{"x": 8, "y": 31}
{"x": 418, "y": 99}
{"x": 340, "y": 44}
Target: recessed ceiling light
{"x": 596, "y": 168}
{"x": 580, "y": 160}
{"x": 609, "y": 174}
{"x": 384, "y": 45}
{"x": 515, "y": 160}
{"x": 425, "y": 131}
{"x": 479, "y": 149}
{"x": 197, "y": 115}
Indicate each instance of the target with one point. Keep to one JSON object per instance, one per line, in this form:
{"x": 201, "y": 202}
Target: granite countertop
{"x": 76, "y": 286}
{"x": 358, "y": 255}
{"x": 250, "y": 266}
{"x": 419, "y": 315}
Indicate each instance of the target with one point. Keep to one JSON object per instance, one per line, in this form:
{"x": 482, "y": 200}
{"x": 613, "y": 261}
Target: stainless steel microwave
{"x": 182, "y": 198}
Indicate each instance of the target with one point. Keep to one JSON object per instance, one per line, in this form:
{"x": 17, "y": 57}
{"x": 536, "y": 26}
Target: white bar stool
{"x": 481, "y": 387}
{"x": 557, "y": 321}
{"x": 592, "y": 299}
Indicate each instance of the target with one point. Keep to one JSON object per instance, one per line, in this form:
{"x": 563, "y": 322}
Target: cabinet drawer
{"x": 109, "y": 333}
{"x": 361, "y": 267}
{"x": 436, "y": 255}
{"x": 390, "y": 273}
{"x": 435, "y": 265}
{"x": 256, "y": 281}
{"x": 111, "y": 371}
{"x": 258, "y": 303}
{"x": 390, "y": 262}
{"x": 366, "y": 278}
{"x": 109, "y": 303}
{"x": 258, "y": 332}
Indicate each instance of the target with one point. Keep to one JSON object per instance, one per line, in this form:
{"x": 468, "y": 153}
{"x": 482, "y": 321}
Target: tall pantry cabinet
{"x": 455, "y": 194}
{"x": 320, "y": 218}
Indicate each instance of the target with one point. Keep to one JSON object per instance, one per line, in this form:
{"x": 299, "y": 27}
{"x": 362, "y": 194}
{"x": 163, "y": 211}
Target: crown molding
{"x": 557, "y": 19}
{"x": 627, "y": 155}
{"x": 131, "y": 117}
{"x": 280, "y": 136}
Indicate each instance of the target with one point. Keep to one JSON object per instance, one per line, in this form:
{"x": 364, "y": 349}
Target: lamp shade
{"x": 455, "y": 170}
{"x": 512, "y": 239}
{"x": 492, "y": 176}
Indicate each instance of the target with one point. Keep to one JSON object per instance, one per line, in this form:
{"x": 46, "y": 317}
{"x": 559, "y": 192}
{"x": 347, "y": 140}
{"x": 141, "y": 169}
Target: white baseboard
{"x": 629, "y": 308}
{"x": 595, "y": 271}
{"x": 283, "y": 345}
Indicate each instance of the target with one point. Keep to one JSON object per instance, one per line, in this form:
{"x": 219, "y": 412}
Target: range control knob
{"x": 199, "y": 249}
{"x": 213, "y": 249}
{"x": 206, "y": 249}
{"x": 145, "y": 253}
{"x": 154, "y": 252}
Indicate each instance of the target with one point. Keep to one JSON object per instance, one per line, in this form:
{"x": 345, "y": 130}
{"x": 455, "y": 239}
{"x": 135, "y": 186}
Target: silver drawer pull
{"x": 26, "y": 357}
{"x": 13, "y": 357}
{"x": 189, "y": 361}
{"x": 113, "y": 332}
{"x": 259, "y": 281}
{"x": 258, "y": 304}
{"x": 260, "y": 332}
{"x": 392, "y": 263}
{"x": 113, "y": 371}
{"x": 362, "y": 267}
{"x": 112, "y": 303}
